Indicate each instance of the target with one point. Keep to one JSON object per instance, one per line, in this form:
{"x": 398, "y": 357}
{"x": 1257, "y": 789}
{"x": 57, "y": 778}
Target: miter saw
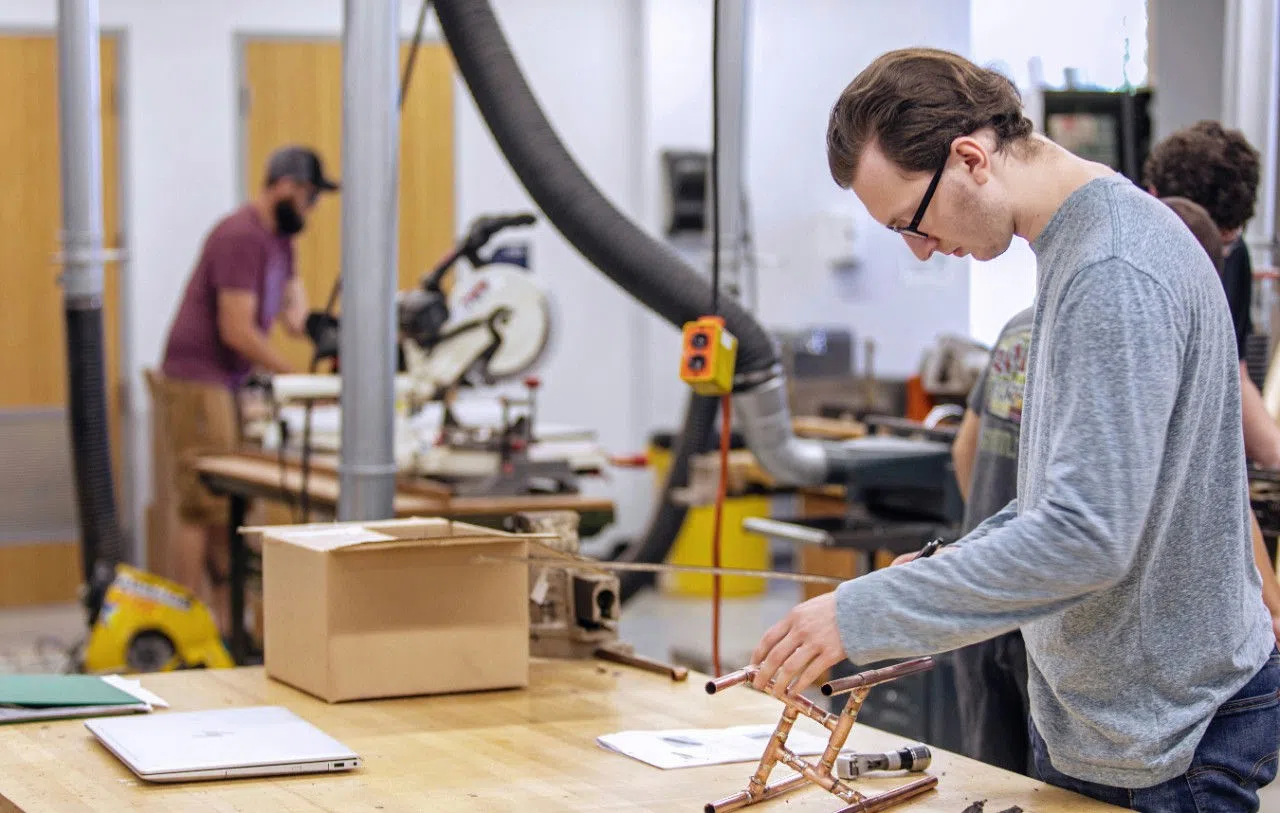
{"x": 485, "y": 324}
{"x": 490, "y": 325}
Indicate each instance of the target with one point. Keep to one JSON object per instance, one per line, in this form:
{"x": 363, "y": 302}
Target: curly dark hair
{"x": 913, "y": 103}
{"x": 1210, "y": 165}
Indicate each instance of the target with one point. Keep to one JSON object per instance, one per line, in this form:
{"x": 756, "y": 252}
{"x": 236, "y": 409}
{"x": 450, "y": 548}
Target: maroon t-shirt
{"x": 242, "y": 254}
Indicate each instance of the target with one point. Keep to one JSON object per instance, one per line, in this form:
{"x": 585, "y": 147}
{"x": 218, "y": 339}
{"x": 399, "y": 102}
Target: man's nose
{"x": 923, "y": 249}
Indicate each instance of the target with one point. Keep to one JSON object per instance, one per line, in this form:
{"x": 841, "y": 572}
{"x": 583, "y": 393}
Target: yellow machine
{"x": 708, "y": 356}
{"x": 151, "y": 624}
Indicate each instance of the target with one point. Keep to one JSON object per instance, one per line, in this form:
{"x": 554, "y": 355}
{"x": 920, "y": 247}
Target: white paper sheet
{"x": 687, "y": 748}
{"x": 134, "y": 687}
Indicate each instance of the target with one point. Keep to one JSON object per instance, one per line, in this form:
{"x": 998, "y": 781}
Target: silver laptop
{"x": 221, "y": 744}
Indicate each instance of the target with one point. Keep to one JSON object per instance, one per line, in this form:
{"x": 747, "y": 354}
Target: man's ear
{"x": 1152, "y": 190}
{"x": 975, "y": 156}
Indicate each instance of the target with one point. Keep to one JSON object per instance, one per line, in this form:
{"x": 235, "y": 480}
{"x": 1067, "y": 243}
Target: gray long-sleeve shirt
{"x": 1126, "y": 559}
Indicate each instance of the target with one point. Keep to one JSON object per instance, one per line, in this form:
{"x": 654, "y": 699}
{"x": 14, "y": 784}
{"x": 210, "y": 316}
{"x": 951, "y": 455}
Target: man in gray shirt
{"x": 1125, "y": 560}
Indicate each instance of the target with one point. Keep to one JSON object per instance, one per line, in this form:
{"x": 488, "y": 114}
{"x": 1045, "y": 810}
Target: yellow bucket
{"x": 738, "y": 548}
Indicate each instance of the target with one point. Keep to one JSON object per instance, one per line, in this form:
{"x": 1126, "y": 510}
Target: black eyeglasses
{"x": 910, "y": 228}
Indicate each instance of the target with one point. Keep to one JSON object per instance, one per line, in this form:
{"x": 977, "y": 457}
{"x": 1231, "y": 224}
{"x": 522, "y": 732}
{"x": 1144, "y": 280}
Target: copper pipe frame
{"x": 819, "y": 773}
{"x": 875, "y": 677}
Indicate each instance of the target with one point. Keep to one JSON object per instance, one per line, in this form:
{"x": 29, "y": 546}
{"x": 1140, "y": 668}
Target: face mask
{"x": 288, "y": 221}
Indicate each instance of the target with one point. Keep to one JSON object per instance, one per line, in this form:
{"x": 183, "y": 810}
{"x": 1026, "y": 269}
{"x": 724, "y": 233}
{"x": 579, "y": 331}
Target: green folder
{"x": 24, "y": 698}
{"x": 50, "y": 691}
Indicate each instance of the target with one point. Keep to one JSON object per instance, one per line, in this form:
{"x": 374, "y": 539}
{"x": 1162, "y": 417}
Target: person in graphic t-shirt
{"x": 242, "y": 284}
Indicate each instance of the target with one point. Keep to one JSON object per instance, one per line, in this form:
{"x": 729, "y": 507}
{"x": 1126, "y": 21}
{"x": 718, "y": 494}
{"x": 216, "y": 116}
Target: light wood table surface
{"x": 524, "y": 750}
{"x": 259, "y": 475}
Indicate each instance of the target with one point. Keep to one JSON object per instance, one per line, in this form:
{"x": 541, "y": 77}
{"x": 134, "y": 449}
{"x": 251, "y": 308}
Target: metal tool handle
{"x": 912, "y": 758}
{"x": 789, "y": 531}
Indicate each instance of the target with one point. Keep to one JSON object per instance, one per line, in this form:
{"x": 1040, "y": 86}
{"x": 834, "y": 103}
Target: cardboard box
{"x": 394, "y": 608}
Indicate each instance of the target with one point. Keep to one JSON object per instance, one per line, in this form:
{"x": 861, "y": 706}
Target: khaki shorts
{"x": 200, "y": 419}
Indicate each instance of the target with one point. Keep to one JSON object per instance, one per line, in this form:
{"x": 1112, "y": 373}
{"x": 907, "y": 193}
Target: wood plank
{"x": 328, "y": 463}
{"x": 266, "y": 475}
{"x": 531, "y": 749}
{"x": 813, "y": 426}
{"x": 39, "y": 573}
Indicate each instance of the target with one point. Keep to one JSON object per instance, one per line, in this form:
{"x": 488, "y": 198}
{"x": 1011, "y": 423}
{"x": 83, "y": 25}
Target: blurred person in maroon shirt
{"x": 243, "y": 283}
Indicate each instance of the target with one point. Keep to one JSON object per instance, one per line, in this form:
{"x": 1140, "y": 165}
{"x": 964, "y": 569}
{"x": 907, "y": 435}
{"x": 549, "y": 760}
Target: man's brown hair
{"x": 1201, "y": 225}
{"x": 1211, "y": 165}
{"x": 913, "y": 103}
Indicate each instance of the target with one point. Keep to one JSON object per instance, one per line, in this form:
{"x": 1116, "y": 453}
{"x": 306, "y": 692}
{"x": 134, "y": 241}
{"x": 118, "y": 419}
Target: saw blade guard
{"x": 502, "y": 299}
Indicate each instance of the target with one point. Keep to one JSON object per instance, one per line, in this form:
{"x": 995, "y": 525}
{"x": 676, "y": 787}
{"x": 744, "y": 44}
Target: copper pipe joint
{"x": 883, "y": 801}
{"x": 823, "y": 780}
{"x": 732, "y": 679}
{"x": 865, "y": 680}
{"x": 824, "y": 718}
{"x": 740, "y": 800}
{"x": 748, "y": 674}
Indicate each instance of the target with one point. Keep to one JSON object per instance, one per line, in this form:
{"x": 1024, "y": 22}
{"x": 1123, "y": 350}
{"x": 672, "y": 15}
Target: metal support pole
{"x": 1251, "y": 85}
{"x": 370, "y": 172}
{"x": 733, "y": 23}
{"x": 80, "y": 136}
{"x": 79, "y": 113}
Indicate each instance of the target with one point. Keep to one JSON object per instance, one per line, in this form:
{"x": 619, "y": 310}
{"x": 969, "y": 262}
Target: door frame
{"x": 129, "y": 506}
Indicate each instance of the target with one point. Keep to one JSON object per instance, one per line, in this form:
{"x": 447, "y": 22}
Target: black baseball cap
{"x": 301, "y": 164}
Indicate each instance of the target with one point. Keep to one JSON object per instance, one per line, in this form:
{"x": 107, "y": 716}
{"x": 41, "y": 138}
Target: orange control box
{"x": 708, "y": 356}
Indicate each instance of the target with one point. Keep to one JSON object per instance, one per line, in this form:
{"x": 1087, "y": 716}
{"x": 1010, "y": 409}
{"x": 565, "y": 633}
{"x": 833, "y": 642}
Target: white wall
{"x": 585, "y": 73}
{"x": 620, "y": 80}
{"x": 804, "y": 53}
{"x": 181, "y": 170}
{"x": 1106, "y": 42}
{"x": 1187, "y": 38}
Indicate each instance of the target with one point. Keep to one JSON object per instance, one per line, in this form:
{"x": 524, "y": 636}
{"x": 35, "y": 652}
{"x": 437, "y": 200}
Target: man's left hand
{"x": 799, "y": 648}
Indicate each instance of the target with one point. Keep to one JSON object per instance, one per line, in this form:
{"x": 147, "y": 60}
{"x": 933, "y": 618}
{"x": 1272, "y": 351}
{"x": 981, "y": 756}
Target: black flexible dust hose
{"x": 668, "y": 517}
{"x": 644, "y": 267}
{"x": 102, "y": 546}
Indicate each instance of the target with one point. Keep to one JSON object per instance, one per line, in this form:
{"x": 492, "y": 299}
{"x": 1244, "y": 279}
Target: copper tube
{"x": 838, "y": 736}
{"x": 809, "y": 709}
{"x": 882, "y": 801}
{"x": 742, "y": 799}
{"x": 732, "y": 679}
{"x": 777, "y": 745}
{"x": 876, "y": 676}
{"x": 825, "y": 781}
{"x": 608, "y": 653}
{"x": 747, "y": 674}
{"x": 735, "y": 802}
{"x": 854, "y": 704}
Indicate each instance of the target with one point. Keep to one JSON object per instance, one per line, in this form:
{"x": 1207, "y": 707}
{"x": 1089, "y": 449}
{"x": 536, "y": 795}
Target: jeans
{"x": 1236, "y": 756}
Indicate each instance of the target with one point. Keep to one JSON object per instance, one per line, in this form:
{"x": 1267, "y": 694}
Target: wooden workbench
{"x": 526, "y": 750}
{"x": 262, "y": 476}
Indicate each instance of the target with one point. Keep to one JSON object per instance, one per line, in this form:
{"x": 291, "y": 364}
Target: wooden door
{"x": 292, "y": 93}
{"x": 39, "y": 559}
